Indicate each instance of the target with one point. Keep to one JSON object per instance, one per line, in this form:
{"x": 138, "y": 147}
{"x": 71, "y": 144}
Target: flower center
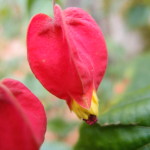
{"x": 88, "y": 115}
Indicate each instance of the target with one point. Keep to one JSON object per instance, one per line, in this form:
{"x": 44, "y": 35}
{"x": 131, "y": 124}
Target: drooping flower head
{"x": 22, "y": 117}
{"x": 68, "y": 56}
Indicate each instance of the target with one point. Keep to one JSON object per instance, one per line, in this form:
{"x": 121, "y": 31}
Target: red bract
{"x": 22, "y": 117}
{"x": 67, "y": 54}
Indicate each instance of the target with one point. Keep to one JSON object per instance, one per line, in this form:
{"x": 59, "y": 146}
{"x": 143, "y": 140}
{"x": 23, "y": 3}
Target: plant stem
{"x": 54, "y": 1}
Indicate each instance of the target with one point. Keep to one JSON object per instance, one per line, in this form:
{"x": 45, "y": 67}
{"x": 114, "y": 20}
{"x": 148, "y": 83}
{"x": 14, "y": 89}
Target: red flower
{"x": 22, "y": 117}
{"x": 68, "y": 56}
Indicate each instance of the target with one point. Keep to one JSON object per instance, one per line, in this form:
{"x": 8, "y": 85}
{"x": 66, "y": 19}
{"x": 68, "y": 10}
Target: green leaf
{"x": 145, "y": 147}
{"x": 131, "y": 109}
{"x": 133, "y": 106}
{"x": 125, "y": 126}
{"x": 118, "y": 137}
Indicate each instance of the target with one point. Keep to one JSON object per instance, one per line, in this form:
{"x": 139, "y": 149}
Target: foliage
{"x": 119, "y": 137}
{"x": 124, "y": 126}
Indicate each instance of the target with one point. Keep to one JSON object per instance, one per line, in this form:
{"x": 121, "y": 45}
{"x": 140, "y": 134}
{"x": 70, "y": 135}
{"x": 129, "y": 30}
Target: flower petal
{"x": 67, "y": 54}
{"x": 89, "y": 41}
{"x": 23, "y": 120}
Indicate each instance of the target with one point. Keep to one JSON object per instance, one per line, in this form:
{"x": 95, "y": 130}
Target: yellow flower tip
{"x": 88, "y": 115}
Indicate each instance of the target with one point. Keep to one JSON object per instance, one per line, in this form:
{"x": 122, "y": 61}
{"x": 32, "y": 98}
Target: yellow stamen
{"x": 83, "y": 113}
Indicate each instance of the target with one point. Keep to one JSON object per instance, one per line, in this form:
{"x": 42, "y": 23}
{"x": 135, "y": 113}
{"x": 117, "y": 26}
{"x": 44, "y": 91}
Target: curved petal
{"x": 88, "y": 41}
{"x": 23, "y": 120}
{"x": 67, "y": 54}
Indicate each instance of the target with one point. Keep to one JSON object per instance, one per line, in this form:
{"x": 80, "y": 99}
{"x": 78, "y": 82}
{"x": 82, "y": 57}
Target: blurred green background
{"x": 125, "y": 90}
